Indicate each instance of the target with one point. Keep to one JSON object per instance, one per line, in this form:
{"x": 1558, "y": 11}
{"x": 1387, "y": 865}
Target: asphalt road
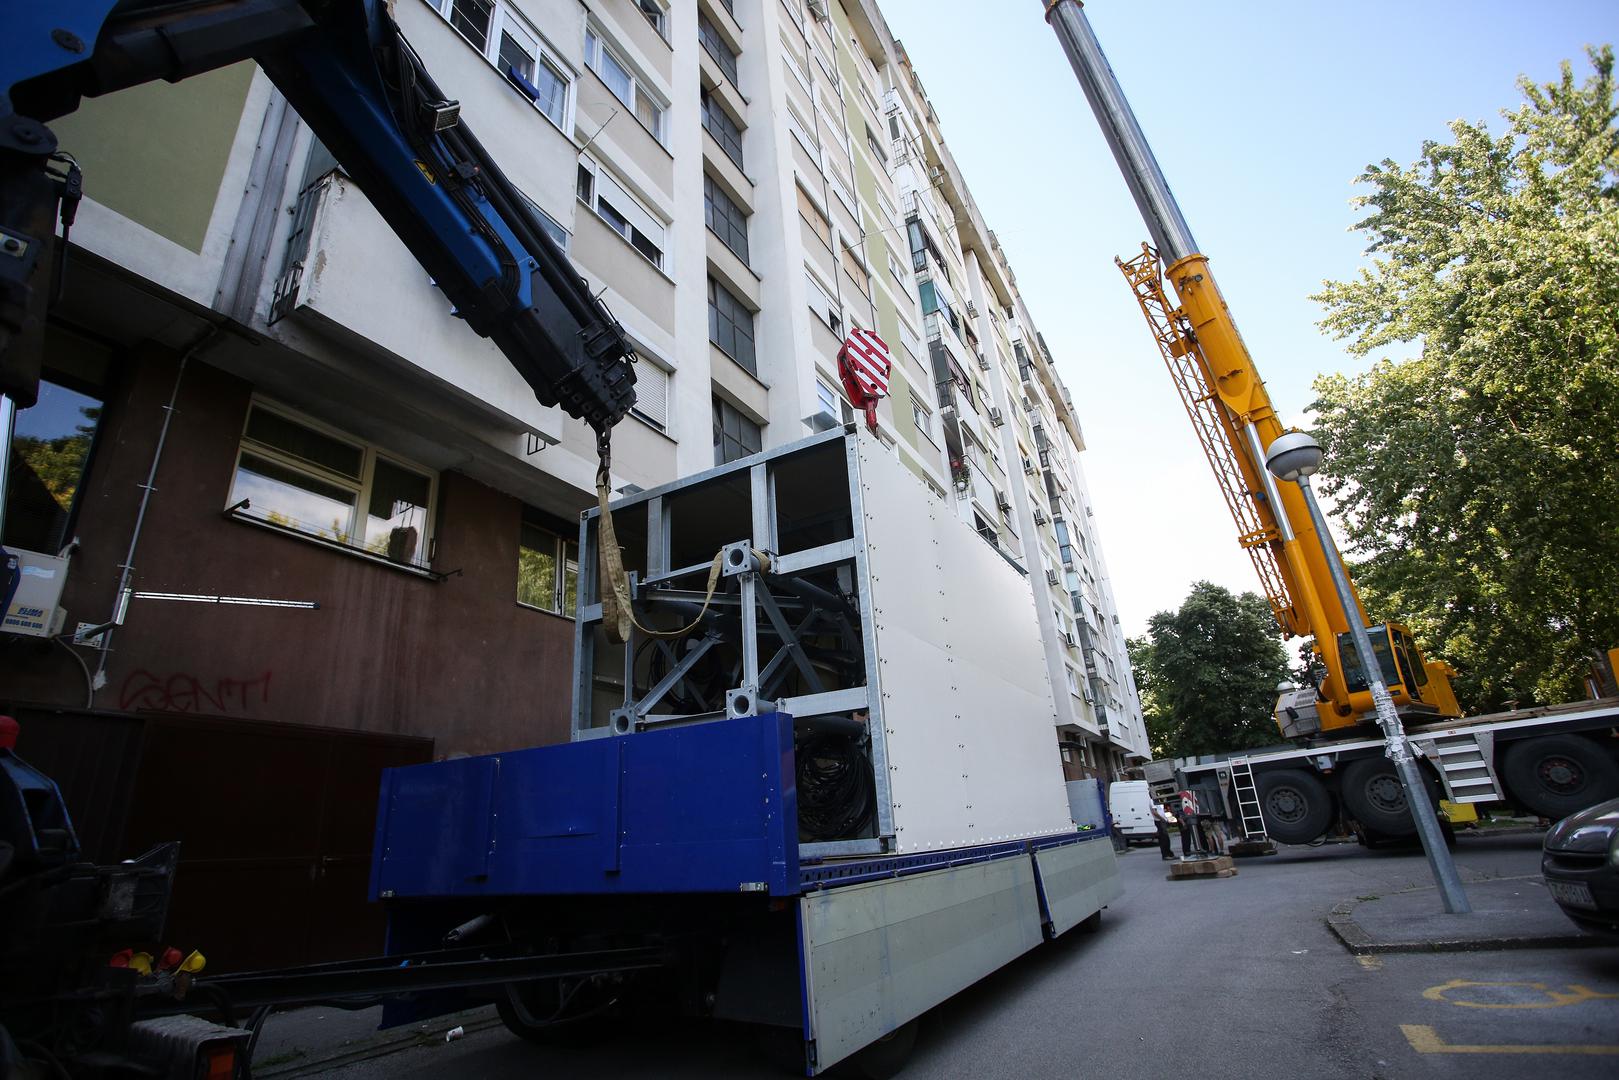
{"x": 1222, "y": 978}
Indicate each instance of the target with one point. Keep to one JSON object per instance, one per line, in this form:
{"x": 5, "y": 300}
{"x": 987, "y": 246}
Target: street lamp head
{"x": 1293, "y": 456}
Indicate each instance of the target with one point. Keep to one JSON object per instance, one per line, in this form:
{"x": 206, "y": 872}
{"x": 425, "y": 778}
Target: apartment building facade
{"x": 254, "y": 392}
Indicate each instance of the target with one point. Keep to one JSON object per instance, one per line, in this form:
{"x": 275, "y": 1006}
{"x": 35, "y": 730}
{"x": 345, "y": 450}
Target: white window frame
{"x": 554, "y": 228}
{"x": 832, "y": 309}
{"x": 660, "y": 23}
{"x": 896, "y": 270}
{"x": 924, "y": 419}
{"x": 645, "y": 364}
{"x": 596, "y": 43}
{"x": 661, "y": 239}
{"x": 370, "y": 454}
{"x": 559, "y": 554}
{"x": 832, "y": 401}
{"x": 501, "y": 15}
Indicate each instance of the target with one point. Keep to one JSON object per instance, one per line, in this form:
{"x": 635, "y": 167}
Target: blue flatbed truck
{"x": 612, "y": 844}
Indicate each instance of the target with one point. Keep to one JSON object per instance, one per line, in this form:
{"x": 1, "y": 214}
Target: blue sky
{"x": 1261, "y": 114}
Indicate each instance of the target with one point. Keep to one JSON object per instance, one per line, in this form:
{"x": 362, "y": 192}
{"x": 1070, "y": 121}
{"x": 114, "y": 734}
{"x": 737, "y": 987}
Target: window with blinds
{"x": 652, "y": 393}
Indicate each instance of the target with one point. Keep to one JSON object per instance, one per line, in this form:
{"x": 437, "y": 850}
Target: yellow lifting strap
{"x": 618, "y": 614}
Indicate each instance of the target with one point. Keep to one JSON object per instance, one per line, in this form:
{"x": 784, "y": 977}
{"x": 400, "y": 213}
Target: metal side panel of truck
{"x": 859, "y": 626}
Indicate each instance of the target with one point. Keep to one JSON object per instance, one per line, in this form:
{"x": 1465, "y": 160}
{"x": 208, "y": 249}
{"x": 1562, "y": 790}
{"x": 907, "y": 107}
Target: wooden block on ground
{"x": 1219, "y": 866}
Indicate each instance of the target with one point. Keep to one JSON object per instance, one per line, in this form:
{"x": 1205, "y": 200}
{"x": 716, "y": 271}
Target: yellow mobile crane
{"x": 1236, "y": 424}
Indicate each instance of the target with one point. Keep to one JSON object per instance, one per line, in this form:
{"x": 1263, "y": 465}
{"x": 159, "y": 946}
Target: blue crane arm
{"x": 350, "y": 74}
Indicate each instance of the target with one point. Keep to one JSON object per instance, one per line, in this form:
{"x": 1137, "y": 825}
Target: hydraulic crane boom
{"x": 353, "y": 78}
{"x": 1236, "y": 422}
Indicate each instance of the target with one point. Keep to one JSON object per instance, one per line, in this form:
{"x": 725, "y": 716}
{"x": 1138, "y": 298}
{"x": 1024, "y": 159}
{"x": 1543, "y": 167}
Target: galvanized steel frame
{"x": 764, "y": 516}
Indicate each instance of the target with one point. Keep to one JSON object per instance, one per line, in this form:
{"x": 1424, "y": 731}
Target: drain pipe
{"x": 127, "y": 567}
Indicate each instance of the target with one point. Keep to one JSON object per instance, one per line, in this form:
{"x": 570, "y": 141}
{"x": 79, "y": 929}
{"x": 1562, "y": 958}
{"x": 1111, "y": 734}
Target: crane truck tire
{"x": 1556, "y": 775}
{"x": 1373, "y": 796}
{"x": 1296, "y": 805}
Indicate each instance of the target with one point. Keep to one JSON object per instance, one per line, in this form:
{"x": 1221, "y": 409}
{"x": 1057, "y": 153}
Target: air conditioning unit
{"x": 817, "y": 8}
{"x": 1051, "y": 576}
{"x": 1068, "y": 638}
{"x": 1002, "y": 501}
{"x": 1028, "y": 467}
{"x": 972, "y": 310}
{"x": 983, "y": 362}
{"x": 996, "y": 418}
{"x": 1039, "y": 517}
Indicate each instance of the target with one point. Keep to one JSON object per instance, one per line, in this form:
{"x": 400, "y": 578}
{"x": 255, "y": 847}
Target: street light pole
{"x": 1295, "y": 456}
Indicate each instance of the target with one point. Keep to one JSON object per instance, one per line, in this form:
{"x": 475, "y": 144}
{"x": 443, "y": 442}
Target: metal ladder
{"x": 1242, "y": 781}
{"x": 1464, "y": 760}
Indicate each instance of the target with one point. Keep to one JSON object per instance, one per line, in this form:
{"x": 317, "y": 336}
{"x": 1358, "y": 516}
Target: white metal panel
{"x": 1078, "y": 880}
{"x": 966, "y": 701}
{"x": 881, "y": 954}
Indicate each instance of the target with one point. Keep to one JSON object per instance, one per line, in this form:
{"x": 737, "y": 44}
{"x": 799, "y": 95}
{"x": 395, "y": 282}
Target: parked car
{"x": 1581, "y": 867}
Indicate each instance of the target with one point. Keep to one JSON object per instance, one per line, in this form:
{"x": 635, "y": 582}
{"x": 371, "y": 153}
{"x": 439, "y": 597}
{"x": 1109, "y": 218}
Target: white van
{"x": 1131, "y": 806}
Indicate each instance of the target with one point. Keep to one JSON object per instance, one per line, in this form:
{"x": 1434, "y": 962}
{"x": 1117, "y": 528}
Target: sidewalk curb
{"x": 381, "y": 1045}
{"x": 1341, "y": 921}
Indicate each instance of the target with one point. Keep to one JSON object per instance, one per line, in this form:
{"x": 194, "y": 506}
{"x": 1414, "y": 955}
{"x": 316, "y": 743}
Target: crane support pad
{"x": 705, "y": 808}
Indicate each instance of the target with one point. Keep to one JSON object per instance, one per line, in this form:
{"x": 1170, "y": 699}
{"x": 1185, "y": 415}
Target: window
{"x": 735, "y": 436}
{"x": 50, "y": 450}
{"x": 624, "y": 85}
{"x": 541, "y": 554}
{"x": 716, "y": 46}
{"x": 857, "y": 272}
{"x": 923, "y": 418}
{"x": 311, "y": 480}
{"x": 821, "y": 302}
{"x": 896, "y": 271}
{"x": 622, "y": 211}
{"x": 656, "y": 15}
{"x": 553, "y": 228}
{"x": 730, "y": 326}
{"x": 812, "y": 214}
{"x": 801, "y": 130}
{"x": 652, "y": 393}
{"x": 497, "y": 31}
{"x": 832, "y": 403}
{"x": 718, "y": 123}
{"x": 876, "y": 148}
{"x": 725, "y": 218}
{"x": 473, "y": 19}
{"x": 1073, "y": 680}
{"x": 912, "y": 343}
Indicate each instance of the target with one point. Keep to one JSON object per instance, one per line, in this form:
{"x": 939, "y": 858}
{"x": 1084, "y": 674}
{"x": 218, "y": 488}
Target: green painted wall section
{"x": 157, "y": 153}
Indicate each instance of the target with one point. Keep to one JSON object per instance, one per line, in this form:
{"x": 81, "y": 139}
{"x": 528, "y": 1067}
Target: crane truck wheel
{"x": 1373, "y": 795}
{"x": 1296, "y": 805}
{"x": 1556, "y": 775}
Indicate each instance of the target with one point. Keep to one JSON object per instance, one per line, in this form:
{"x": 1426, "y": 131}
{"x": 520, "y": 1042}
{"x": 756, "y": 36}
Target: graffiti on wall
{"x": 187, "y": 693}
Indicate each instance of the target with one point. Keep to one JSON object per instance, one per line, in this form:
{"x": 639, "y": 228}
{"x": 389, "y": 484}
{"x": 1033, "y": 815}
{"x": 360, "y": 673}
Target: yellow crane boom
{"x": 1236, "y": 423}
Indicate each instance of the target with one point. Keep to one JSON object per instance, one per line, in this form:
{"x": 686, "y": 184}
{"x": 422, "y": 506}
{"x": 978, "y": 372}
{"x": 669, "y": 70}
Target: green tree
{"x": 1478, "y": 483}
{"x": 1207, "y": 673}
